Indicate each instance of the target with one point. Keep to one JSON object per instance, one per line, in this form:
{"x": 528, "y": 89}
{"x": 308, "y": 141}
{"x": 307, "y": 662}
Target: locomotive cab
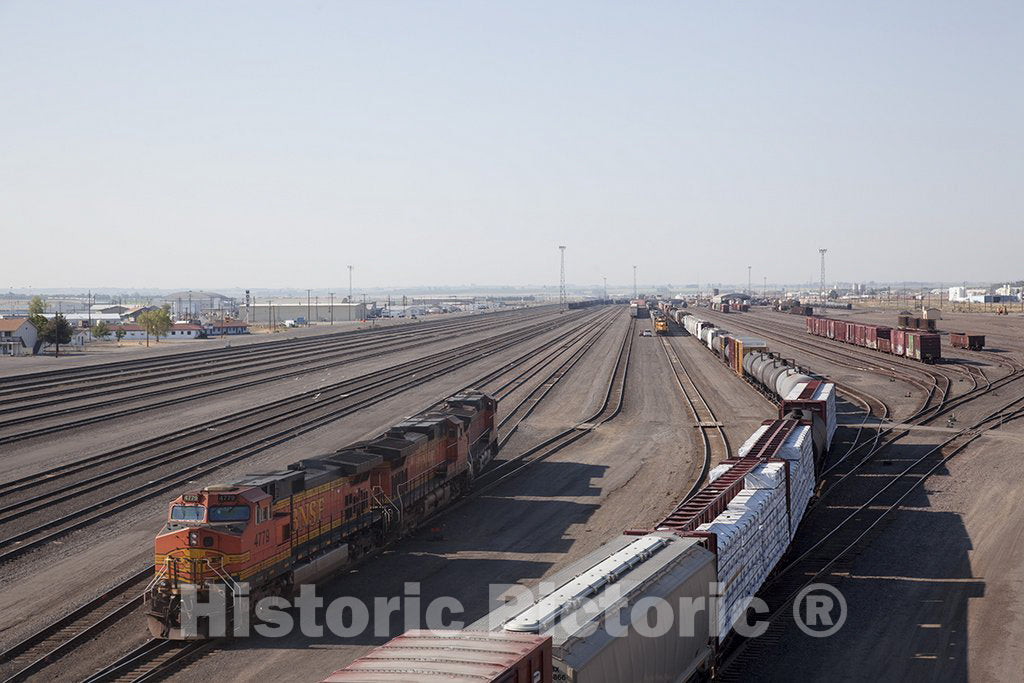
{"x": 217, "y": 535}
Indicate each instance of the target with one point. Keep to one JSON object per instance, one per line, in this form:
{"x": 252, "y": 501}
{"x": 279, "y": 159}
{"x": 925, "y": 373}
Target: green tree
{"x": 119, "y": 333}
{"x": 100, "y": 330}
{"x": 57, "y": 331}
{"x": 157, "y": 323}
{"x": 36, "y": 308}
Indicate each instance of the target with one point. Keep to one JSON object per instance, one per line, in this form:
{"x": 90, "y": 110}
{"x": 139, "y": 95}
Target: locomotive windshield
{"x": 229, "y": 513}
{"x": 188, "y": 513}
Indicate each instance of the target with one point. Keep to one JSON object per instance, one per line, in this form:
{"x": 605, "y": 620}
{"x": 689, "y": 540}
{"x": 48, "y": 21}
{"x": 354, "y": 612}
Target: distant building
{"x": 177, "y": 331}
{"x": 88, "y": 319}
{"x": 276, "y": 313}
{"x": 109, "y": 308}
{"x": 134, "y": 313}
{"x": 18, "y": 336}
{"x": 192, "y": 304}
{"x": 217, "y": 328}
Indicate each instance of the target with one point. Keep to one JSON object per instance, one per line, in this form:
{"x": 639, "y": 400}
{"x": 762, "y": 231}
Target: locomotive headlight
{"x": 193, "y": 538}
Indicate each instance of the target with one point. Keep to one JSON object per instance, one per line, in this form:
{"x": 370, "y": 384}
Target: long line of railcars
{"x": 277, "y": 530}
{"x": 915, "y": 344}
{"x": 716, "y": 548}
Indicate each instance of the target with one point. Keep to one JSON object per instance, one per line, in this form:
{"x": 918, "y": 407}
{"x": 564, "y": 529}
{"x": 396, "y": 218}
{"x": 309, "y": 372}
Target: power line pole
{"x": 350, "y": 293}
{"x": 606, "y": 289}
{"x": 750, "y": 290}
{"x": 561, "y": 281}
{"x": 332, "y": 308}
{"x": 822, "y": 252}
{"x": 764, "y": 289}
{"x": 634, "y": 282}
{"x": 309, "y": 319}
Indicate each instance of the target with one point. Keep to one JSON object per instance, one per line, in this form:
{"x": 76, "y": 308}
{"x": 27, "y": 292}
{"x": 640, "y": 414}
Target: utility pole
{"x": 750, "y": 290}
{"x": 350, "y": 293}
{"x": 634, "y": 282}
{"x": 561, "y": 281}
{"x": 822, "y": 252}
{"x": 309, "y": 318}
{"x": 332, "y": 308}
{"x": 606, "y": 289}
{"x": 764, "y": 289}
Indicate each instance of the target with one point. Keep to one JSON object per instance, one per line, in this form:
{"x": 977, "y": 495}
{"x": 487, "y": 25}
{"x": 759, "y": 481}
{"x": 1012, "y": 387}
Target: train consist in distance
{"x": 923, "y": 346}
{"x": 280, "y": 529}
{"x": 731, "y": 533}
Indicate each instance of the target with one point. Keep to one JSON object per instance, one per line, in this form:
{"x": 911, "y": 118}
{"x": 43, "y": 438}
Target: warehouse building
{"x": 273, "y": 313}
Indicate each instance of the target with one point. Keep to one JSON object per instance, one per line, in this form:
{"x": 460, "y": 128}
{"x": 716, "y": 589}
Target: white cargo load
{"x": 580, "y": 604}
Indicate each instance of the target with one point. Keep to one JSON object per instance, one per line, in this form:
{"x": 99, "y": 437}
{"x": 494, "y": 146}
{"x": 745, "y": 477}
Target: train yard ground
{"x": 934, "y": 589}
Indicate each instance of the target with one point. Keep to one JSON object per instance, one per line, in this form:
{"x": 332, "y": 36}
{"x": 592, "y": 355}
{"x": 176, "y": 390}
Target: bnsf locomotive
{"x": 278, "y": 530}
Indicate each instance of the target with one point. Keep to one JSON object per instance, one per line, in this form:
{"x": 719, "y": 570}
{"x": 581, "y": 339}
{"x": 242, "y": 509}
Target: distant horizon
{"x": 587, "y": 289}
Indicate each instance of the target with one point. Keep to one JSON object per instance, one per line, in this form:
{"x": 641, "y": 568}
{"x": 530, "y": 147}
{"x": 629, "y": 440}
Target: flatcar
{"x": 278, "y": 530}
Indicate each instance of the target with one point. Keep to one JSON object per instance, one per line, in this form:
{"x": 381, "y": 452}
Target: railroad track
{"x": 44, "y": 647}
{"x": 50, "y": 644}
{"x": 213, "y": 386}
{"x": 712, "y": 434}
{"x": 296, "y": 419}
{"x": 934, "y": 384}
{"x": 851, "y": 529}
{"x": 611, "y": 407}
{"x": 107, "y": 467}
{"x": 524, "y": 408}
{"x": 156, "y": 658}
{"x": 189, "y": 369}
{"x": 16, "y": 385}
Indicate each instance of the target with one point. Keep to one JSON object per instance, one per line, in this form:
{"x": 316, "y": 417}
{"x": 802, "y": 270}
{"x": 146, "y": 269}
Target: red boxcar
{"x": 962, "y": 340}
{"x": 899, "y": 342}
{"x": 874, "y": 335}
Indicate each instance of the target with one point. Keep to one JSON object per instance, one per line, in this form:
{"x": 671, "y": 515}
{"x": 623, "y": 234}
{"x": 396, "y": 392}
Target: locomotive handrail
{"x": 162, "y": 572}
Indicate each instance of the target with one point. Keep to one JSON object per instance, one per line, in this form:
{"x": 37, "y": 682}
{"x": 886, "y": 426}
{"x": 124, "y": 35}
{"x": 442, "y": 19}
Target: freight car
{"x": 778, "y": 378}
{"x": 916, "y": 323}
{"x": 919, "y": 345}
{"x": 730, "y": 534}
{"x": 587, "y": 303}
{"x": 638, "y": 309}
{"x": 277, "y": 530}
{"x": 962, "y": 340}
{"x": 498, "y": 657}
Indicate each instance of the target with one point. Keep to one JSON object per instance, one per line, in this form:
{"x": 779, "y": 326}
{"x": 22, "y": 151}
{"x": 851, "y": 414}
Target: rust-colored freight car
{"x": 917, "y": 344}
{"x": 486, "y": 656}
{"x": 962, "y": 340}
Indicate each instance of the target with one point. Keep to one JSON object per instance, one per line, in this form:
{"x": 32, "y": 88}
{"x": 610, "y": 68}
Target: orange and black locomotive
{"x": 278, "y": 530}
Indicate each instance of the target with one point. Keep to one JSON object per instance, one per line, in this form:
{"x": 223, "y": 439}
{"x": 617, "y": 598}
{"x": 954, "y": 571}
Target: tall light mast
{"x": 561, "y": 282}
{"x": 822, "y": 252}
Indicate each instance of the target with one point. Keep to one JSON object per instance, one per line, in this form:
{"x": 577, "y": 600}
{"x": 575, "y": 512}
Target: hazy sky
{"x": 256, "y": 144}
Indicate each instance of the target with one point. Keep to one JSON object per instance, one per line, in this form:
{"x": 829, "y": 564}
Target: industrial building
{"x": 192, "y": 304}
{"x": 274, "y": 313}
